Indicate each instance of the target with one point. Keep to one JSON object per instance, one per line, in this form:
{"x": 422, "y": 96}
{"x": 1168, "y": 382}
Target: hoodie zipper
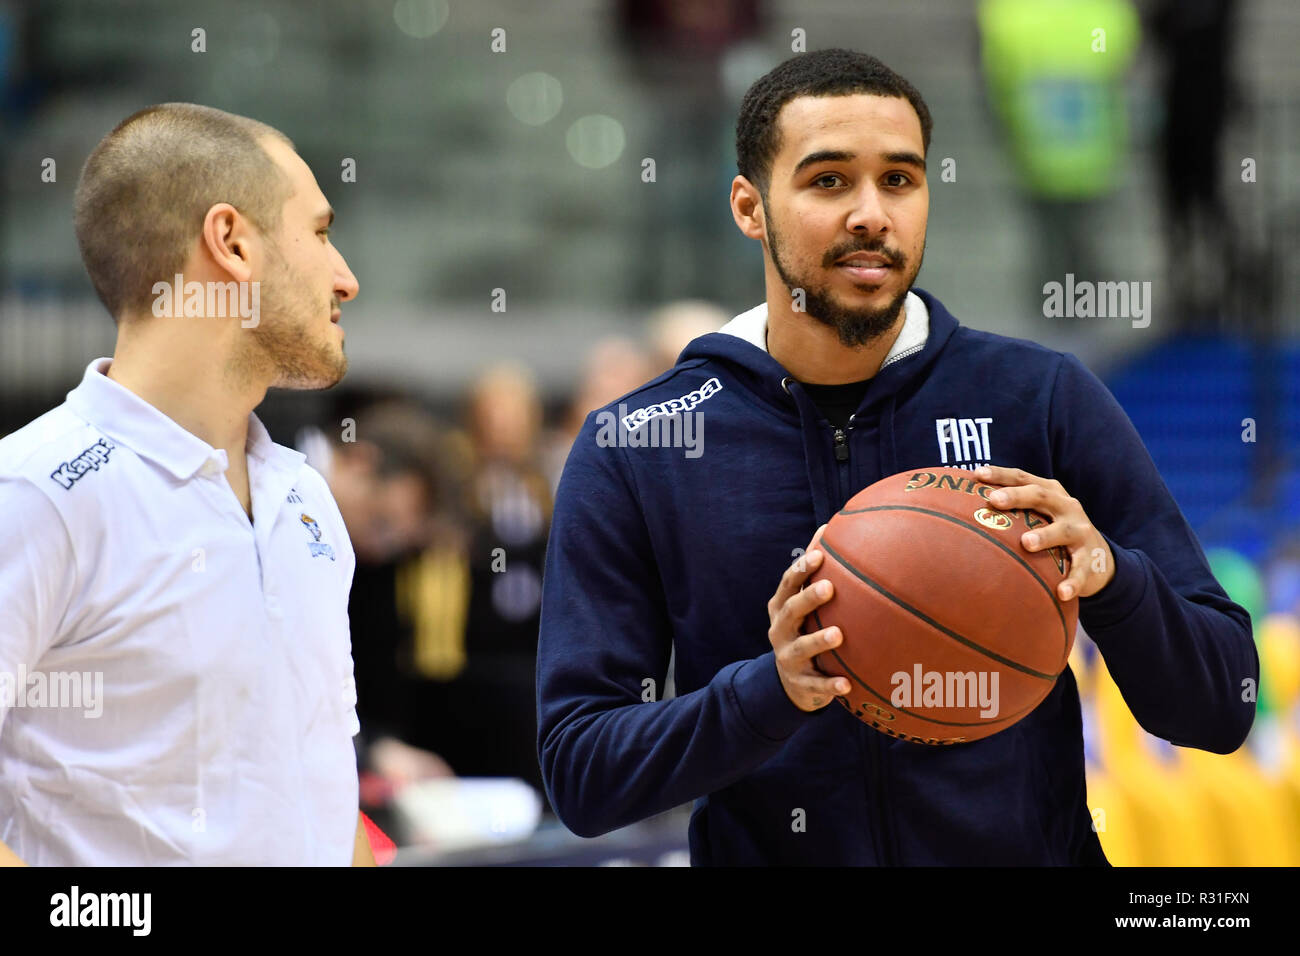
{"x": 877, "y": 790}
{"x": 841, "y": 454}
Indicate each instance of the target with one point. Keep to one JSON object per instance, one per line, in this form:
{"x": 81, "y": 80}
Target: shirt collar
{"x": 752, "y": 327}
{"x": 316, "y": 449}
{"x": 129, "y": 420}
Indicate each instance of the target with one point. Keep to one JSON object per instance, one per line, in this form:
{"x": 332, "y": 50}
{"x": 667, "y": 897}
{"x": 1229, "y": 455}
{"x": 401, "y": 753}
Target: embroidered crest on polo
{"x": 70, "y": 472}
{"x": 315, "y": 545}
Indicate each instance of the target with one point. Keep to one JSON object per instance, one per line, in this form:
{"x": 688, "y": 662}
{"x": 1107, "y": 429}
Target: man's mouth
{"x": 867, "y": 267}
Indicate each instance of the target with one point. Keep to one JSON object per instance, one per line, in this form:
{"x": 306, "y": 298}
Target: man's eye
{"x": 825, "y": 176}
{"x": 323, "y": 232}
{"x": 902, "y": 176}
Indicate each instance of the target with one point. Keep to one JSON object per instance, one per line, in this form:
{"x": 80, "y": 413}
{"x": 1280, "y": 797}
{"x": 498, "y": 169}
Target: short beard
{"x": 855, "y": 327}
{"x": 281, "y": 347}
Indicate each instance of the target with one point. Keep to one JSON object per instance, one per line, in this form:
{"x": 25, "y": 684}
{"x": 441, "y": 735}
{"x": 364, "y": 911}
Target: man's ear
{"x": 229, "y": 239}
{"x": 747, "y": 209}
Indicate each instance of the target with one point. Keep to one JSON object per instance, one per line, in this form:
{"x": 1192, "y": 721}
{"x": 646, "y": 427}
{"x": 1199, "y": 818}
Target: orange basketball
{"x": 952, "y": 630}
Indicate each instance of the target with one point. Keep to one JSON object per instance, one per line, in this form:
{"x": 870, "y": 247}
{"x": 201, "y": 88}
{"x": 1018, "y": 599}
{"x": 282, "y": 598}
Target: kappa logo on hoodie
{"x": 634, "y": 420}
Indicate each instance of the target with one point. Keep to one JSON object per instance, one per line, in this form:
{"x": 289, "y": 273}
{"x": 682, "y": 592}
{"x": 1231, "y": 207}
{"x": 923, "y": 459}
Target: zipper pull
{"x": 841, "y": 446}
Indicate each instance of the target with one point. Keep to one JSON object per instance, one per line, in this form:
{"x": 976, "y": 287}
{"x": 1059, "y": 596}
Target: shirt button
{"x": 211, "y": 467}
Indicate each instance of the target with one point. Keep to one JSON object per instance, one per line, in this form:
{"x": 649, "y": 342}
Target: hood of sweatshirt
{"x": 741, "y": 345}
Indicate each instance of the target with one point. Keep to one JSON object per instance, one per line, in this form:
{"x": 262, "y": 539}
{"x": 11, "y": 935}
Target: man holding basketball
{"x": 158, "y": 548}
{"x": 843, "y": 376}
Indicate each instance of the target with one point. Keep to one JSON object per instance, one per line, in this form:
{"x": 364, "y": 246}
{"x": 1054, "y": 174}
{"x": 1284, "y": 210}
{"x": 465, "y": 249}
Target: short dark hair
{"x": 834, "y": 72}
{"x": 145, "y": 189}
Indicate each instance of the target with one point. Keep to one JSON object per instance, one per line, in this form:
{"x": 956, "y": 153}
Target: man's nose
{"x": 346, "y": 286}
{"x": 867, "y": 214}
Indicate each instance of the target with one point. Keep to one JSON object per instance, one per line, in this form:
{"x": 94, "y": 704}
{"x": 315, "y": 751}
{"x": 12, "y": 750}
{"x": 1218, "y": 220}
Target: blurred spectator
{"x": 1196, "y": 40}
{"x": 384, "y": 469}
{"x": 1055, "y": 73}
{"x": 617, "y": 365}
{"x": 612, "y": 367}
{"x": 481, "y": 716}
{"x": 677, "y": 324}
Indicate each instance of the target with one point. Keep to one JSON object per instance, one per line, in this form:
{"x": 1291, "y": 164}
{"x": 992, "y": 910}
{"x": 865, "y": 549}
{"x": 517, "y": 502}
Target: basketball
{"x": 952, "y": 630}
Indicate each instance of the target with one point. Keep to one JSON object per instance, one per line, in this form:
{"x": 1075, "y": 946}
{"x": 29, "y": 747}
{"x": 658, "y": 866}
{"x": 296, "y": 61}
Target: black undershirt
{"x": 837, "y": 402}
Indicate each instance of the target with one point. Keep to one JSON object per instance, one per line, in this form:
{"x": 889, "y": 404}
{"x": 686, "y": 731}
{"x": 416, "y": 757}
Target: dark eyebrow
{"x": 824, "y": 156}
{"x": 905, "y": 157}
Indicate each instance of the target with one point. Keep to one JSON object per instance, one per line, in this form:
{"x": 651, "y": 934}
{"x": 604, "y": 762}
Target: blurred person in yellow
{"x": 1055, "y": 73}
{"x": 1155, "y": 804}
{"x": 476, "y": 610}
{"x": 1278, "y": 736}
{"x": 386, "y": 464}
{"x": 1143, "y": 810}
{"x": 158, "y": 544}
{"x": 1195, "y": 811}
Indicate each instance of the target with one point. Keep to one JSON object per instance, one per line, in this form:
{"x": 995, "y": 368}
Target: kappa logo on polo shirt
{"x": 70, "y": 472}
{"x": 316, "y": 546}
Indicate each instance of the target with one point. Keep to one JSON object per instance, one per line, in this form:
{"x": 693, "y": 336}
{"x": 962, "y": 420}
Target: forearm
{"x": 1178, "y": 648}
{"x": 614, "y": 767}
{"x": 1184, "y": 668}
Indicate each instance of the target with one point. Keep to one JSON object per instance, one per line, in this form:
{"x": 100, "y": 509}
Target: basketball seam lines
{"x": 932, "y": 720}
{"x": 933, "y": 623}
{"x": 986, "y": 536}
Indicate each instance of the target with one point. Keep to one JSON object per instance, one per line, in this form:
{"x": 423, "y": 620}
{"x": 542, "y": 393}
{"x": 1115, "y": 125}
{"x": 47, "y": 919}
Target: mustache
{"x": 893, "y": 257}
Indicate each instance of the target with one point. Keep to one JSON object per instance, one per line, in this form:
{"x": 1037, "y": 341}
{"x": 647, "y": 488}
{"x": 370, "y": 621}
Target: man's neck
{"x": 812, "y": 352}
{"x": 200, "y": 395}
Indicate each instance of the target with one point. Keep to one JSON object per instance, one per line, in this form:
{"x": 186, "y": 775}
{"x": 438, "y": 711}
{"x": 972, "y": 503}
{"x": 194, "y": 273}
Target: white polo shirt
{"x": 221, "y": 649}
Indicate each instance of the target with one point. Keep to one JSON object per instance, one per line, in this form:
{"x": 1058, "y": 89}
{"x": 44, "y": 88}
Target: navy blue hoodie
{"x": 656, "y": 548}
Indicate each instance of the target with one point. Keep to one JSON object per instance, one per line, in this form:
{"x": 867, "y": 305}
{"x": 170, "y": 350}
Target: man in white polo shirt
{"x": 175, "y": 666}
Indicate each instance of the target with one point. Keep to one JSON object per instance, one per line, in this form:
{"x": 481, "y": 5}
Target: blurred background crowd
{"x": 521, "y": 263}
